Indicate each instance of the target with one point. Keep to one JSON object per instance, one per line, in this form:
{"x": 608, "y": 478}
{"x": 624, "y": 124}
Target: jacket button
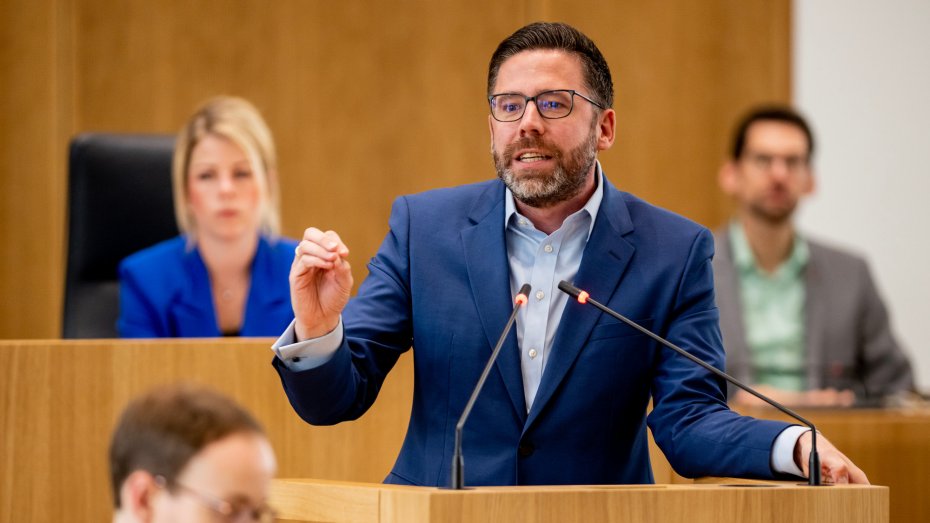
{"x": 525, "y": 450}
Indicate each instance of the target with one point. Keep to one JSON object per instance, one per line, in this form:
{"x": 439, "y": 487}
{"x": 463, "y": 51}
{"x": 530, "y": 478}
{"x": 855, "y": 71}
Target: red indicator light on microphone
{"x": 583, "y": 297}
{"x": 520, "y": 299}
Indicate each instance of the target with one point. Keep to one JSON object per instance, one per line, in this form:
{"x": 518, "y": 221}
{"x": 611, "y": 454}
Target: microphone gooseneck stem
{"x": 458, "y": 465}
{"x": 814, "y": 462}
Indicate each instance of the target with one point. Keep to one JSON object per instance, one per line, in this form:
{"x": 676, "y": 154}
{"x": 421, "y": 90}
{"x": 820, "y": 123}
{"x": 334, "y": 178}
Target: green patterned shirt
{"x": 773, "y": 313}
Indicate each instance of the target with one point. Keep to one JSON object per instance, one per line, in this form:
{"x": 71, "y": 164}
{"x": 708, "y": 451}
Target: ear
{"x": 137, "y": 496}
{"x": 607, "y": 127}
{"x": 728, "y": 177}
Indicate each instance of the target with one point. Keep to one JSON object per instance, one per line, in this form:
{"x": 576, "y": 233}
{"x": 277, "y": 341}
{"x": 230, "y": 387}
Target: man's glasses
{"x": 765, "y": 162}
{"x": 509, "y": 107}
{"x": 232, "y": 512}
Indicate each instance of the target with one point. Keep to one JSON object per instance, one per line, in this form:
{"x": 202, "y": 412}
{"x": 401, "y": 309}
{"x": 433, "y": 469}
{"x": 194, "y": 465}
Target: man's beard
{"x": 773, "y": 215}
{"x": 541, "y": 189}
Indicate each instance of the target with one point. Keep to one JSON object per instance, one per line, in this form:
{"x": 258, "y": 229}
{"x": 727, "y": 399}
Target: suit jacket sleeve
{"x": 378, "y": 330}
{"x": 690, "y": 420}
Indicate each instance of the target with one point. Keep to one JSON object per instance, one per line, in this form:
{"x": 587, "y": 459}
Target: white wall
{"x": 862, "y": 76}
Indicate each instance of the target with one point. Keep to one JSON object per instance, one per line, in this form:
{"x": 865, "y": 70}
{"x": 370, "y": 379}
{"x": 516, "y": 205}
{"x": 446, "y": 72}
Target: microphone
{"x": 458, "y": 465}
{"x": 814, "y": 462}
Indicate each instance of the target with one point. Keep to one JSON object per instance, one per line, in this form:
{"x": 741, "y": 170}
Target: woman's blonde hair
{"x": 239, "y": 121}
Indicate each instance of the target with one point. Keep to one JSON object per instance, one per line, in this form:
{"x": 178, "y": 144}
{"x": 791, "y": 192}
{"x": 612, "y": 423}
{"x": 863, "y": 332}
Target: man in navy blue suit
{"x": 566, "y": 402}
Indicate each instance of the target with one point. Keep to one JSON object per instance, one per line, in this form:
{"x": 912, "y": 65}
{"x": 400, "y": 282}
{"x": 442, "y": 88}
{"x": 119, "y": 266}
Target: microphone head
{"x": 569, "y": 289}
{"x": 523, "y": 295}
{"x": 574, "y": 292}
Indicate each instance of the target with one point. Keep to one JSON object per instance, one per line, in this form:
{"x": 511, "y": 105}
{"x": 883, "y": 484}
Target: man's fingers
{"x": 328, "y": 241}
{"x": 308, "y": 249}
{"x": 835, "y": 467}
{"x": 856, "y": 475}
{"x": 333, "y": 242}
{"x": 844, "y": 471}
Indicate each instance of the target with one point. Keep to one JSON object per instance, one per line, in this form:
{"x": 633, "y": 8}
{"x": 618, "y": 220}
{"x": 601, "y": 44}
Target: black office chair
{"x": 119, "y": 201}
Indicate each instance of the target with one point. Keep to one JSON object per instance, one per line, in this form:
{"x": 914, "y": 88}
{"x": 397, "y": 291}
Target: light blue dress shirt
{"x": 543, "y": 261}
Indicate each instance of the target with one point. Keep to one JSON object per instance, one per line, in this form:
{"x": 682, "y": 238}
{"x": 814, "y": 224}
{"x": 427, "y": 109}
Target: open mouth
{"x": 533, "y": 157}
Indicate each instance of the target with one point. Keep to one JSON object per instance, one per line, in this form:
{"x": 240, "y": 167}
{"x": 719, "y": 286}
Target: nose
{"x": 227, "y": 184}
{"x": 532, "y": 121}
{"x": 779, "y": 169}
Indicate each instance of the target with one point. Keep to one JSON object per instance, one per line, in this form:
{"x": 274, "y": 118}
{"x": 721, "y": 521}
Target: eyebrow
{"x": 237, "y": 163}
{"x": 243, "y": 499}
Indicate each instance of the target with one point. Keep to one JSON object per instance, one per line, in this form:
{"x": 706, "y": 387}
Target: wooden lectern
{"x": 323, "y": 501}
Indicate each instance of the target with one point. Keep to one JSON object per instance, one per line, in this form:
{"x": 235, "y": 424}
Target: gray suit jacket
{"x": 848, "y": 338}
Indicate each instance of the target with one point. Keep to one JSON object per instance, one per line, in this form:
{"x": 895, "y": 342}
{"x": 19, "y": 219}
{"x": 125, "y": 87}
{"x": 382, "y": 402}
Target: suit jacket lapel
{"x": 726, "y": 281}
{"x": 265, "y": 296}
{"x": 603, "y": 263}
{"x": 489, "y": 276}
{"x": 814, "y": 311}
{"x": 194, "y": 311}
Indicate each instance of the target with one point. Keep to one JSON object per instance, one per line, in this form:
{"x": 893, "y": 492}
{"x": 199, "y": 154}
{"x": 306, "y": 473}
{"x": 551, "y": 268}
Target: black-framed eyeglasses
{"x": 509, "y": 107}
{"x": 232, "y": 512}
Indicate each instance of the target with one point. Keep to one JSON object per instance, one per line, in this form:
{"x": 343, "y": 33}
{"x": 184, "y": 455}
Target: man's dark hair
{"x": 769, "y": 113}
{"x": 562, "y": 37}
{"x": 162, "y": 430}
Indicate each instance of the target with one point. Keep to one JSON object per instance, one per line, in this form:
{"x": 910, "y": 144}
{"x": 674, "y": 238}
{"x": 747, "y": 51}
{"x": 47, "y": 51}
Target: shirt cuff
{"x": 783, "y": 451}
{"x": 307, "y": 354}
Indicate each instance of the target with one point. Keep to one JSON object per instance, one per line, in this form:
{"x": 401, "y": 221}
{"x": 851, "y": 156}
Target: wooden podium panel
{"x": 341, "y": 502}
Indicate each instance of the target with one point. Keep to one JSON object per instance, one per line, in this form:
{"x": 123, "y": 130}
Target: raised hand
{"x": 320, "y": 281}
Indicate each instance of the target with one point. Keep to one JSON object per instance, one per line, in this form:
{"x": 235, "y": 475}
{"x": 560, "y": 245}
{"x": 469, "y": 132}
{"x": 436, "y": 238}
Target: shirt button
{"x": 547, "y": 248}
{"x": 532, "y": 353}
{"x": 522, "y": 222}
{"x": 540, "y": 295}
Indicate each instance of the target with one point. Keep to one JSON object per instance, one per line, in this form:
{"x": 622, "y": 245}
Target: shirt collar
{"x": 745, "y": 260}
{"x": 591, "y": 207}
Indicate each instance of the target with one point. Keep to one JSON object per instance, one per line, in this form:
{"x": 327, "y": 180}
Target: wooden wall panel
{"x": 367, "y": 101}
{"x": 683, "y": 72}
{"x": 34, "y": 116}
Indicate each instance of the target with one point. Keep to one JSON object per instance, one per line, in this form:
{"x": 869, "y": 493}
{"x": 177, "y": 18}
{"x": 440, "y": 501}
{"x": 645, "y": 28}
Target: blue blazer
{"x": 440, "y": 282}
{"x": 165, "y": 292}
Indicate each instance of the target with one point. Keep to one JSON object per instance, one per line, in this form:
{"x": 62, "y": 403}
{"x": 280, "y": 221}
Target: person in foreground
{"x": 566, "y": 402}
{"x": 801, "y": 320}
{"x": 186, "y": 453}
{"x": 227, "y": 273}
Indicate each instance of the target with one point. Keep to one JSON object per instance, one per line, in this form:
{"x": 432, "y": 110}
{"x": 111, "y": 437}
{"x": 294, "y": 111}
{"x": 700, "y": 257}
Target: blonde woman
{"x": 227, "y": 273}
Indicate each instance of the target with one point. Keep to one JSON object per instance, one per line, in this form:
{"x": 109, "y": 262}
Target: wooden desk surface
{"x": 59, "y": 401}
{"x": 341, "y": 502}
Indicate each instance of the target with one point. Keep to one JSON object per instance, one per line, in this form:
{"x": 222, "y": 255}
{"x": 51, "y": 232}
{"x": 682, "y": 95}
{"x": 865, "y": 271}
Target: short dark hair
{"x": 162, "y": 430}
{"x": 769, "y": 113}
{"x": 562, "y": 37}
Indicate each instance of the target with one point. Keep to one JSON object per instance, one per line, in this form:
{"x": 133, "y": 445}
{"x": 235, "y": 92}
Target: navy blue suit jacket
{"x": 165, "y": 292}
{"x": 440, "y": 282}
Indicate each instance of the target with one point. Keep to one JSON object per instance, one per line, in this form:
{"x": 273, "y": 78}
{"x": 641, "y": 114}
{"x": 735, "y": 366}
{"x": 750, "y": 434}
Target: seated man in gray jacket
{"x": 802, "y": 321}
